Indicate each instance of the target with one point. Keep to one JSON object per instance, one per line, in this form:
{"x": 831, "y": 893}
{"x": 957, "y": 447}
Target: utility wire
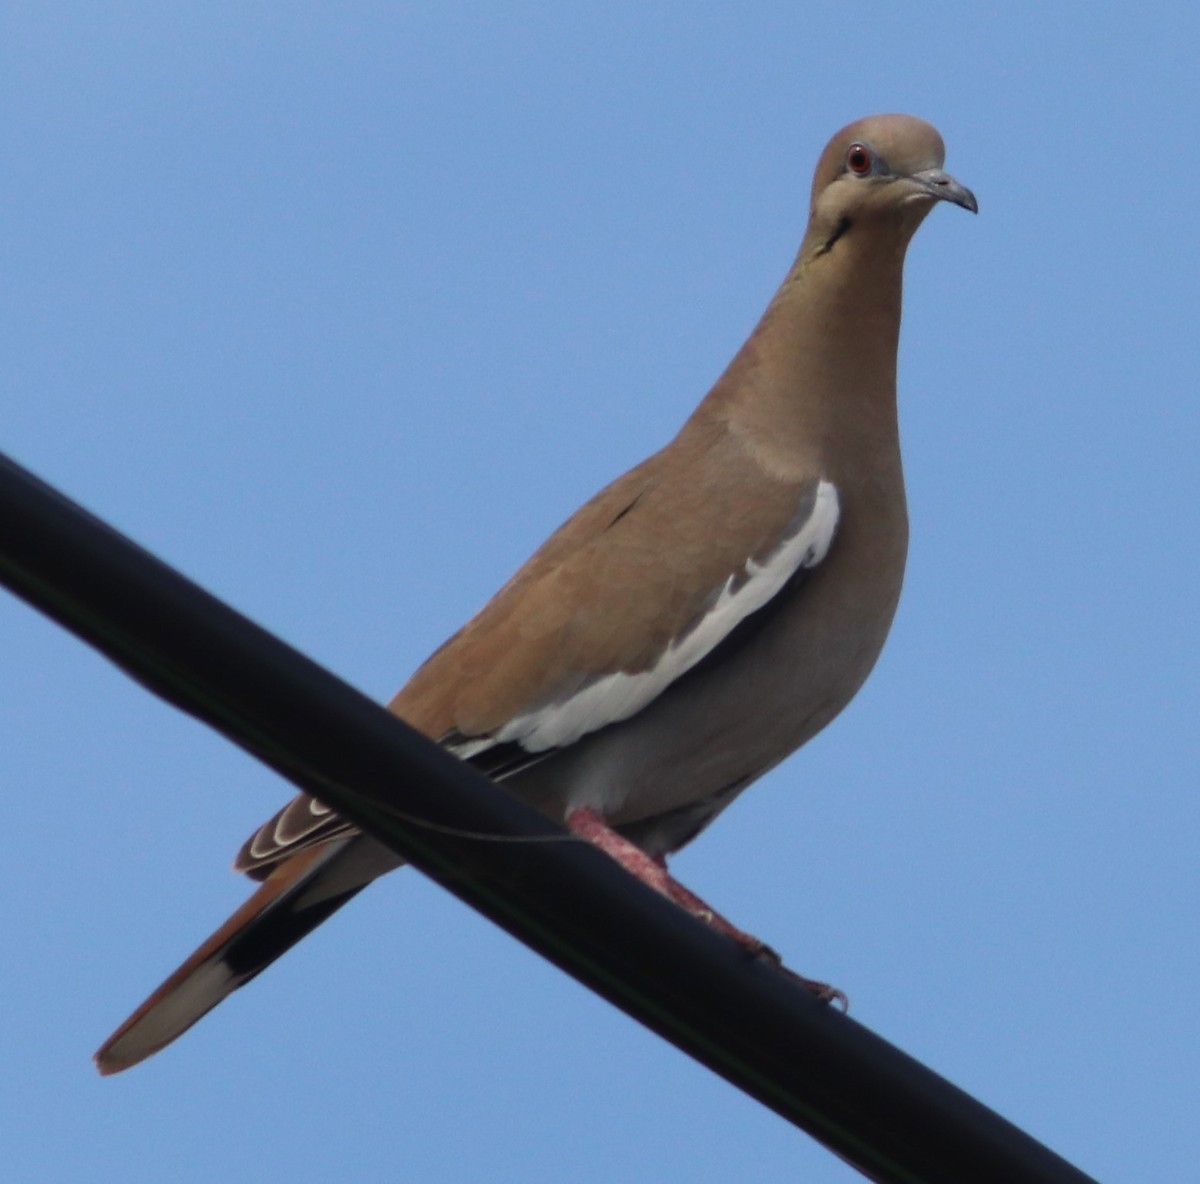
{"x": 881, "y": 1111}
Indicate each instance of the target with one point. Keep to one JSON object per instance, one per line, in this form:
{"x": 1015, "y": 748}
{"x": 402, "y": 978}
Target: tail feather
{"x": 292, "y": 901}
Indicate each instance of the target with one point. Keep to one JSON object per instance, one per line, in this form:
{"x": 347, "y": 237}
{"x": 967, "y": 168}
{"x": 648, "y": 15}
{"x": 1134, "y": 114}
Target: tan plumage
{"x": 634, "y": 631}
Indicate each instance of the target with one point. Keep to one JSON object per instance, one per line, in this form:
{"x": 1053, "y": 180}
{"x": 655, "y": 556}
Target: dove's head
{"x": 885, "y": 170}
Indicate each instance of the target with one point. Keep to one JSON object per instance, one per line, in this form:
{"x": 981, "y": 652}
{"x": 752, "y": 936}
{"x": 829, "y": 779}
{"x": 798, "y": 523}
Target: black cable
{"x": 870, "y": 1103}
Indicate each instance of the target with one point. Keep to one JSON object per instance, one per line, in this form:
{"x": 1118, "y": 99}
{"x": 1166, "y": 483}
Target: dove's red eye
{"x": 859, "y": 159}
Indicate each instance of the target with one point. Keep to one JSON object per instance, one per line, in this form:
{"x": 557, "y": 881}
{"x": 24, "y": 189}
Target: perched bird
{"x": 693, "y": 624}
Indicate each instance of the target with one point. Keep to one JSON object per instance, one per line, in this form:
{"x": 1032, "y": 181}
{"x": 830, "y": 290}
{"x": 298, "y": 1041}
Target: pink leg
{"x": 589, "y": 824}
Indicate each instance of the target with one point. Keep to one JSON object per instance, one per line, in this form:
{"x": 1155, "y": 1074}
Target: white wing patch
{"x": 618, "y": 696}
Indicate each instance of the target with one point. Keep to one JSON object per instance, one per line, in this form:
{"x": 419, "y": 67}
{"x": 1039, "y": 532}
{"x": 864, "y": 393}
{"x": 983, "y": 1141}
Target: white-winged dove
{"x": 693, "y": 624}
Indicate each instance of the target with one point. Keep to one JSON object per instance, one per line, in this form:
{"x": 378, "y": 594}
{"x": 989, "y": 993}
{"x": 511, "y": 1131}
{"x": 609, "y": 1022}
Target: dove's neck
{"x": 814, "y": 386}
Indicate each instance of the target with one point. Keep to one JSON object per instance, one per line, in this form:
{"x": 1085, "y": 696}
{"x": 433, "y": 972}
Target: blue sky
{"x": 341, "y": 308}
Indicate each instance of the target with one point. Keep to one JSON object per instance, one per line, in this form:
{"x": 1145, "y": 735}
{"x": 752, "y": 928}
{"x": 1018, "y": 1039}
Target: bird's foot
{"x": 589, "y": 824}
{"x": 833, "y": 996}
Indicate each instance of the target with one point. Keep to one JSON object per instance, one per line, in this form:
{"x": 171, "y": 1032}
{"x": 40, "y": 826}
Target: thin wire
{"x": 481, "y": 836}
